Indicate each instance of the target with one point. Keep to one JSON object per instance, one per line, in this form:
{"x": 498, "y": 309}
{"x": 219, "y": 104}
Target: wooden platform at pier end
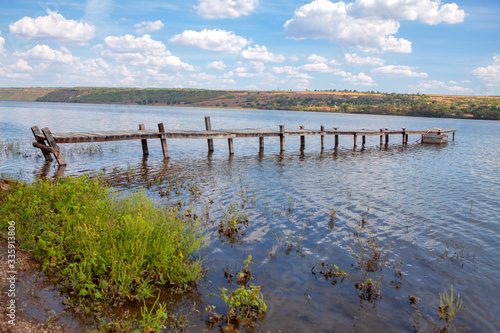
{"x": 49, "y": 142}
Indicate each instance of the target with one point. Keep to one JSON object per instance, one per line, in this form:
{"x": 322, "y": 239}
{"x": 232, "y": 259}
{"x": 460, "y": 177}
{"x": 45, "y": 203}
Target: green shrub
{"x": 102, "y": 245}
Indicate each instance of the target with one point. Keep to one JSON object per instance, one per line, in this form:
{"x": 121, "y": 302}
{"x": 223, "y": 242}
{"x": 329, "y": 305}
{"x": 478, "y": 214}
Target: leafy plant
{"x": 328, "y": 271}
{"x": 449, "y": 306}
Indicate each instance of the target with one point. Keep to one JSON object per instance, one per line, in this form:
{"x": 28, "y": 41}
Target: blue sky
{"x": 404, "y": 46}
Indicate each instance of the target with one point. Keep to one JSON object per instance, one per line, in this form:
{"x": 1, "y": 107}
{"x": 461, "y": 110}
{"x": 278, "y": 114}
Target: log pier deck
{"x": 53, "y": 139}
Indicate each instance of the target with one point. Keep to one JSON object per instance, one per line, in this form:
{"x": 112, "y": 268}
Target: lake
{"x": 414, "y": 219}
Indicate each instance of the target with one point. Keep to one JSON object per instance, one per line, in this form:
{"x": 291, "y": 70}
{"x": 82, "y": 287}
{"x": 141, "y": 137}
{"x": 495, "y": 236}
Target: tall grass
{"x": 102, "y": 245}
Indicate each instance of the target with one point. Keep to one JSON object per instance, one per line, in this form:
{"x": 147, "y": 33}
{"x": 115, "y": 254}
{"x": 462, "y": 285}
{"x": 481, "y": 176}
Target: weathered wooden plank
{"x": 208, "y": 127}
{"x": 145, "y": 150}
{"x": 40, "y": 139}
{"x": 164, "y": 147}
{"x": 282, "y": 137}
{"x": 302, "y": 140}
{"x": 231, "y": 146}
{"x": 44, "y": 148}
{"x": 55, "y": 148}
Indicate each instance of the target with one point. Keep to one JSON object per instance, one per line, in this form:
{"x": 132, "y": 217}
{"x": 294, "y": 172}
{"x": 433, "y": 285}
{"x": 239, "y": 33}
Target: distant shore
{"x": 440, "y": 106}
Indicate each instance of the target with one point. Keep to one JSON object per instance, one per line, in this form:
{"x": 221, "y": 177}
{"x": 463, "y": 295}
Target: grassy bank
{"x": 102, "y": 246}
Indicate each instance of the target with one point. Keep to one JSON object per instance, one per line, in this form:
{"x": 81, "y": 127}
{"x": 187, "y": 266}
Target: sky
{"x": 402, "y": 46}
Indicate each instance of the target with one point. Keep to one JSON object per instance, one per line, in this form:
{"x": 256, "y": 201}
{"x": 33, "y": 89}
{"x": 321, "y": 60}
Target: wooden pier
{"x": 49, "y": 142}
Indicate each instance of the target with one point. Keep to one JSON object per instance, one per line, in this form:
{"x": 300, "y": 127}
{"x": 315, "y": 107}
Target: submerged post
{"x": 282, "y": 137}
{"x": 164, "y": 146}
{"x": 261, "y": 144}
{"x": 55, "y": 148}
{"x": 210, "y": 142}
{"x": 381, "y": 135}
{"x": 231, "y": 147}
{"x": 302, "y": 140}
{"x": 322, "y": 128}
{"x": 355, "y": 139}
{"x": 363, "y": 140}
{"x": 145, "y": 151}
{"x": 404, "y": 136}
{"x": 336, "y": 138}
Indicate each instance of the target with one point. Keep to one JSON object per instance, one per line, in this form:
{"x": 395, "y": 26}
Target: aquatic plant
{"x": 102, "y": 246}
{"x": 449, "y": 306}
{"x": 368, "y": 290}
{"x": 234, "y": 220}
{"x": 331, "y": 222}
{"x": 329, "y": 271}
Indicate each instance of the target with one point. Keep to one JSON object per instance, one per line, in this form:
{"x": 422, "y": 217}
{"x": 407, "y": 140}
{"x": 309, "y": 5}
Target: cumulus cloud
{"x": 261, "y": 53}
{"x": 145, "y": 27}
{"x": 490, "y": 73}
{"x": 142, "y": 51}
{"x": 255, "y": 68}
{"x": 397, "y": 71}
{"x": 360, "y": 79}
{"x": 53, "y": 27}
{"x": 356, "y": 60}
{"x": 2, "y": 43}
{"x": 314, "y": 59}
{"x": 369, "y": 25}
{"x": 435, "y": 86}
{"x": 44, "y": 53}
{"x": 221, "y": 9}
{"x": 213, "y": 40}
{"x": 426, "y": 11}
{"x": 217, "y": 65}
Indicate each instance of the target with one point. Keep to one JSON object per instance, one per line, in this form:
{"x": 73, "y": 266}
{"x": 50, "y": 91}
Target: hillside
{"x": 477, "y": 107}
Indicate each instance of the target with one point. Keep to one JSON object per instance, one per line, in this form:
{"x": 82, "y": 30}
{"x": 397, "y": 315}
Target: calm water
{"x": 432, "y": 208}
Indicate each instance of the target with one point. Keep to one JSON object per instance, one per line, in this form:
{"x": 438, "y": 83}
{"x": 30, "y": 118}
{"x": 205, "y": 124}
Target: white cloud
{"x": 44, "y": 53}
{"x": 221, "y": 9}
{"x": 142, "y": 51}
{"x": 255, "y": 68}
{"x": 319, "y": 67}
{"x": 356, "y": 60}
{"x": 397, "y": 70}
{"x": 314, "y": 59}
{"x": 435, "y": 86}
{"x": 490, "y": 73}
{"x": 261, "y": 53}
{"x": 360, "y": 79}
{"x": 2, "y": 43}
{"x": 426, "y": 11}
{"x": 213, "y": 40}
{"x": 145, "y": 27}
{"x": 369, "y": 25}
{"x": 22, "y": 66}
{"x": 217, "y": 65}
{"x": 323, "y": 19}
{"x": 53, "y": 27}
{"x": 288, "y": 70}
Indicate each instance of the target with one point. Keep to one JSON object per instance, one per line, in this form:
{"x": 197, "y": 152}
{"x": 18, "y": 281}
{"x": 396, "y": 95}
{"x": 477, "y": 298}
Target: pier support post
{"x": 210, "y": 142}
{"x": 282, "y": 137}
{"x": 231, "y": 146}
{"x": 363, "y": 140}
{"x": 38, "y": 137}
{"x": 322, "y": 129}
{"x": 302, "y": 140}
{"x": 386, "y": 139}
{"x": 55, "y": 148}
{"x": 164, "y": 146}
{"x": 261, "y": 144}
{"x": 453, "y": 136}
{"x": 355, "y": 139}
{"x": 336, "y": 138}
{"x": 404, "y": 136}
{"x": 145, "y": 151}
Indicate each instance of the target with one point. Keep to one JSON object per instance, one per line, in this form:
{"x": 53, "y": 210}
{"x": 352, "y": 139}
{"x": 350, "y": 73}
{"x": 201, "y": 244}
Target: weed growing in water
{"x": 458, "y": 252}
{"x": 331, "y": 222}
{"x": 449, "y": 306}
{"x": 102, "y": 246}
{"x": 10, "y": 148}
{"x": 328, "y": 271}
{"x": 368, "y": 290}
{"x": 234, "y": 220}
{"x": 417, "y": 316}
{"x": 245, "y": 275}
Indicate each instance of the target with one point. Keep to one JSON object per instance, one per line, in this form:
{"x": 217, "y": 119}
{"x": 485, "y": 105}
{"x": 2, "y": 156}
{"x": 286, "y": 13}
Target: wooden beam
{"x": 145, "y": 151}
{"x": 164, "y": 146}
{"x": 282, "y": 137}
{"x": 322, "y": 129}
{"x": 355, "y": 139}
{"x": 336, "y": 138}
{"x": 43, "y": 148}
{"x": 302, "y": 140}
{"x": 55, "y": 148}
{"x": 208, "y": 127}
{"x": 231, "y": 146}
{"x": 40, "y": 139}
{"x": 261, "y": 144}
{"x": 363, "y": 140}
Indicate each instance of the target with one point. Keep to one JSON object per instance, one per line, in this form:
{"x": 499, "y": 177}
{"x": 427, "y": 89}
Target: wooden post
{"x": 210, "y": 142}
{"x": 302, "y": 140}
{"x": 282, "y": 137}
{"x": 164, "y": 146}
{"x": 55, "y": 148}
{"x": 355, "y": 139}
{"x": 386, "y": 139}
{"x": 363, "y": 140}
{"x": 261, "y": 144}
{"x": 231, "y": 147}
{"x": 381, "y": 135}
{"x": 404, "y": 135}
{"x": 322, "y": 128}
{"x": 145, "y": 151}
{"x": 38, "y": 137}
{"x": 336, "y": 138}
{"x": 453, "y": 136}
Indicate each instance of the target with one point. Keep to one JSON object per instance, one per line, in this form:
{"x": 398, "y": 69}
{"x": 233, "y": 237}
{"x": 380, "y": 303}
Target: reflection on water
{"x": 412, "y": 220}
